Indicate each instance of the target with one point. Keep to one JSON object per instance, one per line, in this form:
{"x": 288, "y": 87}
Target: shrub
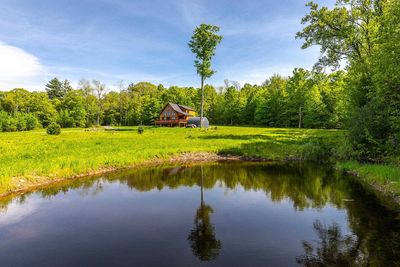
{"x": 10, "y": 125}
{"x": 53, "y": 129}
{"x": 3, "y": 119}
{"x": 31, "y": 122}
{"x": 21, "y": 122}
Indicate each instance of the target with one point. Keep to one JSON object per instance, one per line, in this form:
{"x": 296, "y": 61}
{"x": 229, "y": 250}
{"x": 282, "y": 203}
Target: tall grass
{"x": 385, "y": 176}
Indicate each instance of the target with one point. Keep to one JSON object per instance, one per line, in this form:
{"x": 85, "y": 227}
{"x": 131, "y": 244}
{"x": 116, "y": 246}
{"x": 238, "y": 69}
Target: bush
{"x": 3, "y": 119}
{"x": 31, "y": 122}
{"x": 10, "y": 125}
{"x": 53, "y": 129}
{"x": 21, "y": 122}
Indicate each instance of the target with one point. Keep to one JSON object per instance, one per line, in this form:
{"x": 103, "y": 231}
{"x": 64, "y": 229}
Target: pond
{"x": 217, "y": 214}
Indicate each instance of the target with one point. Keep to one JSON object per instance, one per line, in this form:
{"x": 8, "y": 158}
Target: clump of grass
{"x": 317, "y": 150}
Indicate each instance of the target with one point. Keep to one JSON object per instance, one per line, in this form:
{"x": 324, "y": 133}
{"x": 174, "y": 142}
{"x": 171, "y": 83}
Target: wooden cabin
{"x": 173, "y": 115}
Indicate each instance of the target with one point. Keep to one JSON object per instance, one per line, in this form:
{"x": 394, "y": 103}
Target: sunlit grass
{"x": 35, "y": 154}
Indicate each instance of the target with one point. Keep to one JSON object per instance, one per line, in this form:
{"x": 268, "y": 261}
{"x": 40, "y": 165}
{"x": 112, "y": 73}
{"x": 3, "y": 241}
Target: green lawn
{"x": 36, "y": 157}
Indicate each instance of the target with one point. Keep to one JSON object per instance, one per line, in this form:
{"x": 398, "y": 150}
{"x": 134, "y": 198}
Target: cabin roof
{"x": 177, "y": 108}
{"x": 185, "y": 107}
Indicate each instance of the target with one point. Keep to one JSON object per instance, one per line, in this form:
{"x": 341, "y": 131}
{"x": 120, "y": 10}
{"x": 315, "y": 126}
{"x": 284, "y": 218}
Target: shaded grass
{"x": 35, "y": 154}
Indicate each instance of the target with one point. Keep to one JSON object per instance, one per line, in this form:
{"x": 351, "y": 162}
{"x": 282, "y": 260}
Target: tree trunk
{"x": 202, "y": 102}
{"x": 300, "y": 116}
{"x": 202, "y": 181}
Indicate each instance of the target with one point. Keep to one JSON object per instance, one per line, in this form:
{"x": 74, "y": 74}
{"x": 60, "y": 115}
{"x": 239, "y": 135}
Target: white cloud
{"x": 19, "y": 68}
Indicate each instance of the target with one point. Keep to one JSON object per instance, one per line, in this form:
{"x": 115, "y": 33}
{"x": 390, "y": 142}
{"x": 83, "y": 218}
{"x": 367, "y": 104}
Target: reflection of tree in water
{"x": 308, "y": 186}
{"x": 202, "y": 238}
{"x": 332, "y": 249}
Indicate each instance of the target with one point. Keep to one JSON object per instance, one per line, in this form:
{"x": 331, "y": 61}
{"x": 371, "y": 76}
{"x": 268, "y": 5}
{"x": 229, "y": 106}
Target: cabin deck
{"x": 171, "y": 123}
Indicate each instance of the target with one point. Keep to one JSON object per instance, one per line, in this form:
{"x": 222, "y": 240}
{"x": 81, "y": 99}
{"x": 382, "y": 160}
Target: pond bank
{"x": 381, "y": 177}
{"x": 386, "y": 189}
{"x": 23, "y": 185}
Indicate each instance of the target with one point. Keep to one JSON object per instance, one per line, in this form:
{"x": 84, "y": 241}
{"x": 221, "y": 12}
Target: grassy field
{"x": 36, "y": 157}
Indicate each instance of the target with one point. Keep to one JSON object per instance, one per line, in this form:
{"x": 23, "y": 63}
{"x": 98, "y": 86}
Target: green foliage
{"x": 53, "y": 129}
{"x": 56, "y": 89}
{"x": 3, "y": 119}
{"x": 31, "y": 122}
{"x": 203, "y": 44}
{"x": 343, "y": 32}
{"x": 364, "y": 34}
{"x": 276, "y": 103}
{"x": 19, "y": 122}
{"x": 10, "y": 124}
{"x": 318, "y": 150}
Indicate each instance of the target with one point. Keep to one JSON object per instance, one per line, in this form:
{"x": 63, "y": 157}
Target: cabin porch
{"x": 171, "y": 123}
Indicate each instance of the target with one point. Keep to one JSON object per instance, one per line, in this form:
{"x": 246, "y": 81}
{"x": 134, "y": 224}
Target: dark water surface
{"x": 221, "y": 214}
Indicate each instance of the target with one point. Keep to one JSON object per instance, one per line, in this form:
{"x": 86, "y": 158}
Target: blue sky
{"x": 132, "y": 41}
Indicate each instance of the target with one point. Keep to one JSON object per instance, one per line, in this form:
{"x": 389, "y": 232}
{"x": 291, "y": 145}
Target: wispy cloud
{"x": 193, "y": 12}
{"x": 269, "y": 29}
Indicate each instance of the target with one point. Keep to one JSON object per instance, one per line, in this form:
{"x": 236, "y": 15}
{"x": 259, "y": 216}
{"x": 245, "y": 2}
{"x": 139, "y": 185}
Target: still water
{"x": 220, "y": 214}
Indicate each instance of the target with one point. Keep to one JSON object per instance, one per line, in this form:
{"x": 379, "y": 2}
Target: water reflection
{"x": 266, "y": 214}
{"x": 202, "y": 240}
{"x": 332, "y": 249}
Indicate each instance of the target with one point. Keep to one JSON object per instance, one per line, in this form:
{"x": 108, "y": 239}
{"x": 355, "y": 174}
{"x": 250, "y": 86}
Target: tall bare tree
{"x": 100, "y": 90}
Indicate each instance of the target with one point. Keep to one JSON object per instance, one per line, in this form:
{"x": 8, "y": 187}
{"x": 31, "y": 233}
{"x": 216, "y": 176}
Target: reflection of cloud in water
{"x": 17, "y": 211}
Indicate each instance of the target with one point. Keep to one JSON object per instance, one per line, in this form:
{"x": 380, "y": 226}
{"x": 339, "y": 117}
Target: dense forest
{"x": 305, "y": 99}
{"x": 361, "y": 35}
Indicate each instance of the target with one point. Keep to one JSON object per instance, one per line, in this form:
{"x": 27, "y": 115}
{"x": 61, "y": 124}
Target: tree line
{"x": 305, "y": 99}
